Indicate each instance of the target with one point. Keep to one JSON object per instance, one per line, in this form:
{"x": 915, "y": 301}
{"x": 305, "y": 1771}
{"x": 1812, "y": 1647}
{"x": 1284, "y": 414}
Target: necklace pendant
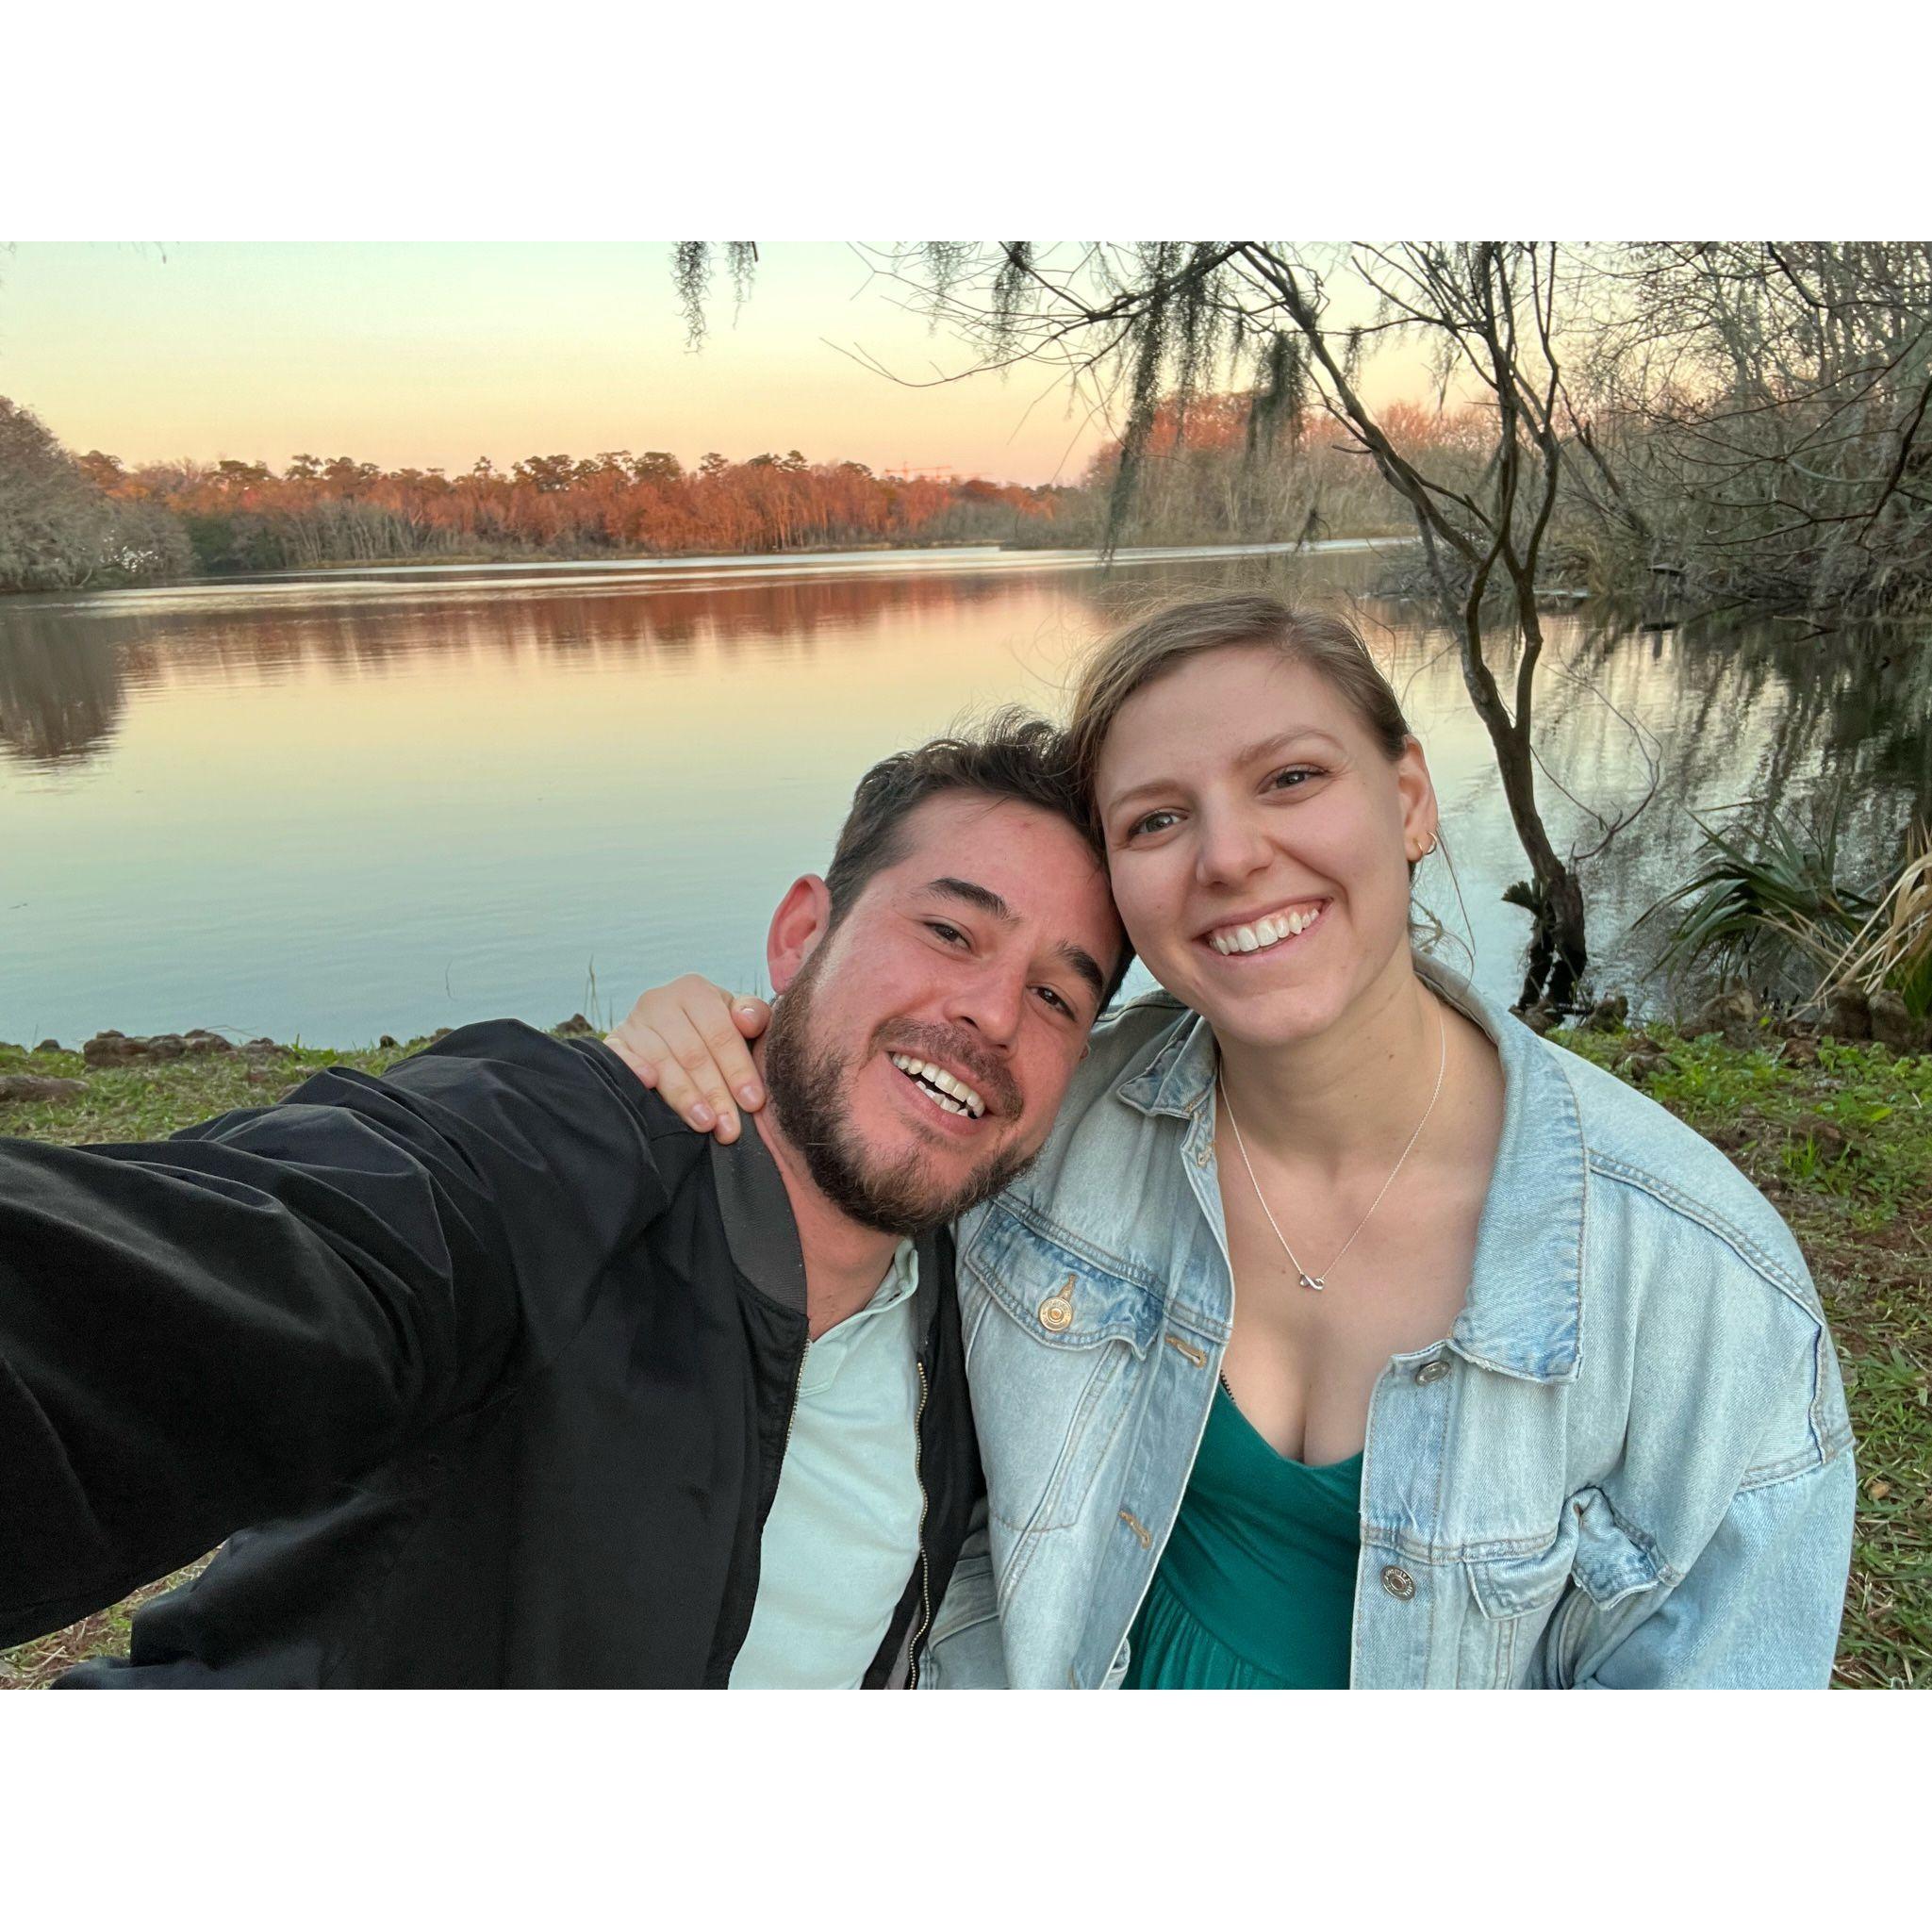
{"x": 1314, "y": 1281}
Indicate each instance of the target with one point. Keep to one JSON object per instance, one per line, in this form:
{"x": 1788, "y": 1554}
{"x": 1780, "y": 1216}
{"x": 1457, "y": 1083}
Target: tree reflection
{"x": 60, "y": 689}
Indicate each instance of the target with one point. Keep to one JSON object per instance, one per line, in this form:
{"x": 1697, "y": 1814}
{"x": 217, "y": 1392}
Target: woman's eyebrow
{"x": 1249, "y": 754}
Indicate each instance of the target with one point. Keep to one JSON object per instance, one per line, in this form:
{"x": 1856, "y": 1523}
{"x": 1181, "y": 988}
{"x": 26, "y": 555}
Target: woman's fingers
{"x": 684, "y": 1041}
{"x": 657, "y": 1061}
{"x": 645, "y": 1069}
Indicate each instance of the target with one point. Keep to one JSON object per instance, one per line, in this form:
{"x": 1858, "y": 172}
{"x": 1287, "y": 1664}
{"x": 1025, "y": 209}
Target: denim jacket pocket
{"x": 1557, "y": 1598}
{"x": 1052, "y": 1338}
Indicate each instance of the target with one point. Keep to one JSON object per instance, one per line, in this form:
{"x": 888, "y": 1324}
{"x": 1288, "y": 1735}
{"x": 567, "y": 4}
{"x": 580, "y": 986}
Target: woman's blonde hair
{"x": 1160, "y": 642}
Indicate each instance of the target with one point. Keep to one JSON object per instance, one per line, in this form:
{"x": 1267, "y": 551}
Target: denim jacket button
{"x": 1398, "y": 1583}
{"x": 1433, "y": 1371}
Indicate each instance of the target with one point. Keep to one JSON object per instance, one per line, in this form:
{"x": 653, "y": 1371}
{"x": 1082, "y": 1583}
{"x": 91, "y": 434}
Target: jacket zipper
{"x": 925, "y": 1578}
{"x": 791, "y": 1415}
{"x": 791, "y": 1418}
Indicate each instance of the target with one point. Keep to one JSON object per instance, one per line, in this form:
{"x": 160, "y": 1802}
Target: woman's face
{"x": 1257, "y": 841}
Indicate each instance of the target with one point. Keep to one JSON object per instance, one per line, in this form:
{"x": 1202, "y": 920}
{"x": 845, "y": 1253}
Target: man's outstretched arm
{"x": 204, "y": 1332}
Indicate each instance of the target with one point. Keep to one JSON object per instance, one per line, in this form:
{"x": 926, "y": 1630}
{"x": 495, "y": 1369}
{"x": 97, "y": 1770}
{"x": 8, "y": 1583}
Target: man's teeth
{"x": 1268, "y": 932}
{"x": 953, "y": 1095}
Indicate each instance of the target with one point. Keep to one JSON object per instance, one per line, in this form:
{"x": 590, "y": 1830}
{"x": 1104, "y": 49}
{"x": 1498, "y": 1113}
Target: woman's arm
{"x": 1760, "y": 1607}
{"x": 1758, "y": 1603}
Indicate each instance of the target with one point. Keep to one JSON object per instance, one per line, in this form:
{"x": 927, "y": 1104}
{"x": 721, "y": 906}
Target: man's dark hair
{"x": 1014, "y": 755}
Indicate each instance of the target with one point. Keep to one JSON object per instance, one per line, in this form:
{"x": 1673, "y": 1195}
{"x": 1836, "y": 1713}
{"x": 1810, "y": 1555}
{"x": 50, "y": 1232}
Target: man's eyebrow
{"x": 1083, "y": 962}
{"x": 1249, "y": 754}
{"x": 983, "y": 898}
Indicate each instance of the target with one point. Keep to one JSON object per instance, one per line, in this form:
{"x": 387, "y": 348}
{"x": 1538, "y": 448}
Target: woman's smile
{"x": 1247, "y": 933}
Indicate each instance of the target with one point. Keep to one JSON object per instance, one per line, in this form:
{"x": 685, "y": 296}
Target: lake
{"x": 331, "y": 807}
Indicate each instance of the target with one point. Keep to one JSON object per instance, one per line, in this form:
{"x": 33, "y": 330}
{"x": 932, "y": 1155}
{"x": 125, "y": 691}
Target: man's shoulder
{"x": 512, "y": 1054}
{"x": 515, "y": 1100}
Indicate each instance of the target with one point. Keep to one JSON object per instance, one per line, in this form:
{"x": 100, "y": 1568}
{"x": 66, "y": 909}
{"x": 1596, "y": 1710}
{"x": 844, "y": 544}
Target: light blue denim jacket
{"x": 1628, "y": 1464}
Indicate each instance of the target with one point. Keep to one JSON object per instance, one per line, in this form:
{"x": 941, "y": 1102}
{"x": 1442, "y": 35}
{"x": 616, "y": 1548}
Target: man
{"x": 491, "y": 1373}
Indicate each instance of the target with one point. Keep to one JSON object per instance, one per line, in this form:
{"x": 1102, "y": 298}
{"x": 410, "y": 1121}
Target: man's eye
{"x": 952, "y": 935}
{"x": 1065, "y": 1005}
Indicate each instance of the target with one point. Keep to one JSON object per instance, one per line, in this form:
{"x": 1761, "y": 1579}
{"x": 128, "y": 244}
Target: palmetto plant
{"x": 1767, "y": 908}
{"x": 1893, "y": 948}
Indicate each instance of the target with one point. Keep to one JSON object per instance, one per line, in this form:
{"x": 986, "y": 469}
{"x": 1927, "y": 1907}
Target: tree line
{"x": 68, "y": 521}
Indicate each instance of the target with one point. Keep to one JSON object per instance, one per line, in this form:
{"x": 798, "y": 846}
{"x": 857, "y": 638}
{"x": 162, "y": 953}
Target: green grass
{"x": 1838, "y": 1136}
{"x": 148, "y": 1103}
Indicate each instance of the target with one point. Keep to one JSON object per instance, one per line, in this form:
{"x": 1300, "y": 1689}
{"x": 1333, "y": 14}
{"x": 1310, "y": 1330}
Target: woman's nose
{"x": 1232, "y": 848}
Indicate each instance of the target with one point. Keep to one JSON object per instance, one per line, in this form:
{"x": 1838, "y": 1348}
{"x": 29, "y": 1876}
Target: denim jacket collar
{"x": 1523, "y": 1315}
{"x": 1180, "y": 1076}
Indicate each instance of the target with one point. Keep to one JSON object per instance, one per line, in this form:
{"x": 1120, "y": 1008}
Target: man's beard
{"x": 810, "y": 1096}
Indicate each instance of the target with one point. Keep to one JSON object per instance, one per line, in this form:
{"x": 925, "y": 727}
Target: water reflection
{"x": 64, "y": 673}
{"x": 62, "y": 690}
{"x": 349, "y": 807}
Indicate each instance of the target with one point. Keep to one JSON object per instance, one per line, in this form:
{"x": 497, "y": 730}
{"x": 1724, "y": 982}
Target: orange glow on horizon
{"x": 433, "y": 354}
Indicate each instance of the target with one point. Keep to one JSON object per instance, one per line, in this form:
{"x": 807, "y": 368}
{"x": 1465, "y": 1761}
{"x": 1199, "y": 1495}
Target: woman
{"x": 1345, "y": 1332}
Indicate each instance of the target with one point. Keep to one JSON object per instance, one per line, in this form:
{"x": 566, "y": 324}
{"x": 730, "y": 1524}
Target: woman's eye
{"x": 1291, "y": 777}
{"x": 1154, "y": 821}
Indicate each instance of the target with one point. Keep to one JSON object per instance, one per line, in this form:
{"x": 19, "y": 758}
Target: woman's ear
{"x": 1417, "y": 792}
{"x": 802, "y": 919}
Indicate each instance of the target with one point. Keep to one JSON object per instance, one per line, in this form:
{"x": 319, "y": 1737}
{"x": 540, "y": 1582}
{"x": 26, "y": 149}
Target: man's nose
{"x": 991, "y": 1003}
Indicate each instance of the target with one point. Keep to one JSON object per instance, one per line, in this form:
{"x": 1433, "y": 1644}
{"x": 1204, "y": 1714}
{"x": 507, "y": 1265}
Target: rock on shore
{"x": 112, "y": 1049}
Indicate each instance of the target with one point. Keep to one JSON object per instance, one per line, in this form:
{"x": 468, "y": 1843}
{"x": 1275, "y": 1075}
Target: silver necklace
{"x": 1301, "y": 1274}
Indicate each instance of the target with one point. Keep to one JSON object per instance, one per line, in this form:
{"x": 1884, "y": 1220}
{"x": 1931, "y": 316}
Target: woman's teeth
{"x": 1264, "y": 932}
{"x": 954, "y": 1094}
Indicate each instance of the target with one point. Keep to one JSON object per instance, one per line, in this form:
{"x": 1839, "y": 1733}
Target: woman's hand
{"x": 688, "y": 1041}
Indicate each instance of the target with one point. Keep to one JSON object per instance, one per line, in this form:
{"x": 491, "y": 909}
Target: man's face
{"x": 921, "y": 1049}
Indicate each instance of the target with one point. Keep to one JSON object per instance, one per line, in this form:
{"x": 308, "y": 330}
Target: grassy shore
{"x": 1838, "y": 1136}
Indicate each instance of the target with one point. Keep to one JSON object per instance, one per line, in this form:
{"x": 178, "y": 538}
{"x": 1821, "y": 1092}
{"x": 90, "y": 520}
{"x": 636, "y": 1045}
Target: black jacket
{"x": 465, "y": 1346}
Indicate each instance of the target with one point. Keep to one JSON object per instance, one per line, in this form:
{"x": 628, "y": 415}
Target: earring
{"x": 1428, "y": 850}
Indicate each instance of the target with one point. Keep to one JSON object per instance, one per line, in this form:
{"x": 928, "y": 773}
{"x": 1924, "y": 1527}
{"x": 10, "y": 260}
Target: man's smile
{"x": 946, "y": 1089}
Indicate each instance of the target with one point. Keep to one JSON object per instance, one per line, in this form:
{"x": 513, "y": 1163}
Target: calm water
{"x": 330, "y": 807}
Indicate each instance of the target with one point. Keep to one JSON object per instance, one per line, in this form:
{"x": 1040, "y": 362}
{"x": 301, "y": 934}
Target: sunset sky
{"x": 436, "y": 353}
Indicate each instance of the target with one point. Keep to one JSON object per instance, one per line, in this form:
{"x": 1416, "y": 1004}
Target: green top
{"x": 1256, "y": 1590}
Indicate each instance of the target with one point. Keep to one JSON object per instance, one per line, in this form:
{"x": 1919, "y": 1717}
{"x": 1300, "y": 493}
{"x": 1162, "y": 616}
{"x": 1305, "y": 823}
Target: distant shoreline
{"x": 480, "y": 559}
{"x": 442, "y": 563}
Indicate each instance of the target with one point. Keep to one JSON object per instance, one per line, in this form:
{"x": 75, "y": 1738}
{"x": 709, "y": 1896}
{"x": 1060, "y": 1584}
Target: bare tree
{"x": 1156, "y": 326}
{"x": 1767, "y": 405}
